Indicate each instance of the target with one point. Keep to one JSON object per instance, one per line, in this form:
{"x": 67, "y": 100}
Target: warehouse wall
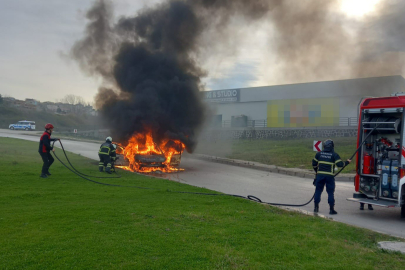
{"x": 305, "y": 100}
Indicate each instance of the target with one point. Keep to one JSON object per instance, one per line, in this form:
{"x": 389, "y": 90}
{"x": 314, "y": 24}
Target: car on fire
{"x": 156, "y": 159}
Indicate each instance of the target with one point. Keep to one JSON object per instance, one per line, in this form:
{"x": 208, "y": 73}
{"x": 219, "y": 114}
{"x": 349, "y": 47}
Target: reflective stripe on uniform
{"x": 332, "y": 166}
{"x": 339, "y": 160}
{"x": 315, "y": 159}
{"x": 328, "y": 173}
{"x": 328, "y": 163}
{"x": 104, "y": 152}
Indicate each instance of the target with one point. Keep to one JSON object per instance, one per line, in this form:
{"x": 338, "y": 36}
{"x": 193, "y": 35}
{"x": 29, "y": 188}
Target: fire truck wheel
{"x": 403, "y": 211}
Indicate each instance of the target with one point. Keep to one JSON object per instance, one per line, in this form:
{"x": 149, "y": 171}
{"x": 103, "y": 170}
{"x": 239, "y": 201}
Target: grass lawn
{"x": 65, "y": 222}
{"x": 289, "y": 153}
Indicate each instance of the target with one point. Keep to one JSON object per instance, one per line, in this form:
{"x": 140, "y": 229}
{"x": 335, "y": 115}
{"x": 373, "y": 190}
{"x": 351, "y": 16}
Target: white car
{"x": 26, "y": 125}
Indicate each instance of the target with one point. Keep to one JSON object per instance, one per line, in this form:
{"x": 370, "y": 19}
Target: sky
{"x": 37, "y": 35}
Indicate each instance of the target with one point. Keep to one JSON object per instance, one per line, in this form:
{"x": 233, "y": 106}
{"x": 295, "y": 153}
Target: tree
{"x": 73, "y": 100}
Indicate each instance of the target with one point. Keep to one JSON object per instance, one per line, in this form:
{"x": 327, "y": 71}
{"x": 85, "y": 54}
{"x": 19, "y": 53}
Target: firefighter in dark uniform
{"x": 45, "y": 149}
{"x": 324, "y": 165}
{"x": 113, "y": 156}
{"x": 105, "y": 155}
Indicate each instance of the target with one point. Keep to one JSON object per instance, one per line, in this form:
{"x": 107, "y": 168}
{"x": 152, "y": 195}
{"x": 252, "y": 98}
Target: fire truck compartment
{"x": 382, "y": 203}
{"x": 380, "y": 156}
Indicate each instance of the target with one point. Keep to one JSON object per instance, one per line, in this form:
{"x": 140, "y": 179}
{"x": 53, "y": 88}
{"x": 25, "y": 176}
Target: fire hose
{"x": 76, "y": 171}
{"x": 249, "y": 197}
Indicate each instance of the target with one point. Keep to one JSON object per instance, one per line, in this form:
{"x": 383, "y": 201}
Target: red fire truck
{"x": 380, "y": 162}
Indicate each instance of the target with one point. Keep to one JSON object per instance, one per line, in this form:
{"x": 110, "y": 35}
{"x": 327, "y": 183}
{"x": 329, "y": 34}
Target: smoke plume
{"x": 151, "y": 63}
{"x": 151, "y": 75}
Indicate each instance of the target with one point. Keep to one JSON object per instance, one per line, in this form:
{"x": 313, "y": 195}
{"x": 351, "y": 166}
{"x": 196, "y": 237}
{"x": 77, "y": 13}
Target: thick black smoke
{"x": 154, "y": 84}
{"x": 148, "y": 63}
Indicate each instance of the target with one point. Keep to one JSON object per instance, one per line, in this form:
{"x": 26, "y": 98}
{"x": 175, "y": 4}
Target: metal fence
{"x": 343, "y": 122}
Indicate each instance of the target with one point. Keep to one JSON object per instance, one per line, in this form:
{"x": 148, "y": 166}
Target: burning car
{"x": 143, "y": 154}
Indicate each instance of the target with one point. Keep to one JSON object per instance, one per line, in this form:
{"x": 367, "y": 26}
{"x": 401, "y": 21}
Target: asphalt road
{"x": 269, "y": 187}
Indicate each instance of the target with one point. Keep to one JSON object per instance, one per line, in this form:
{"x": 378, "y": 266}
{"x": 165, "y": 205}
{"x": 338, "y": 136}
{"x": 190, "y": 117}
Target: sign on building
{"x": 222, "y": 96}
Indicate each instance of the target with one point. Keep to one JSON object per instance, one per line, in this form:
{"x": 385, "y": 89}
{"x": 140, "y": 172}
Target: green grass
{"x": 289, "y": 153}
{"x": 65, "y": 222}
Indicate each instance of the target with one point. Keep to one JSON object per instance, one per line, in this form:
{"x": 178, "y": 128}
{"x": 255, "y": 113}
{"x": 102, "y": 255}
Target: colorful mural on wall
{"x": 303, "y": 112}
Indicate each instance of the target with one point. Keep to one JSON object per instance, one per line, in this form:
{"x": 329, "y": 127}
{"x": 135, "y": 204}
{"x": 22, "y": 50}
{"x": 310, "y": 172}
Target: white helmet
{"x": 108, "y": 139}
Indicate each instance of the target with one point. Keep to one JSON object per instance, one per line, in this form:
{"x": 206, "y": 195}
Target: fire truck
{"x": 380, "y": 161}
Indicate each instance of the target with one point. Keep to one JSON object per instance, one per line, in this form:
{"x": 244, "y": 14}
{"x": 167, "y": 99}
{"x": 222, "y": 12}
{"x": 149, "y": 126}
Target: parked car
{"x": 27, "y": 125}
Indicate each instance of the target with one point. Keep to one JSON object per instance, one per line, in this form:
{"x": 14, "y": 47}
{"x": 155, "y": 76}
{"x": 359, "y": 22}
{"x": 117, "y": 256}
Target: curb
{"x": 268, "y": 168}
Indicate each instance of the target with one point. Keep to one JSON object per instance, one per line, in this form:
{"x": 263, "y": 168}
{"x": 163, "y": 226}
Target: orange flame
{"x": 164, "y": 156}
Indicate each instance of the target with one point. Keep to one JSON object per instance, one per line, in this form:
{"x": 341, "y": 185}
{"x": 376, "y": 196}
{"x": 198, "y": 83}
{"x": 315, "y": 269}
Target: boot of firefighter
{"x": 332, "y": 210}
{"x": 361, "y": 206}
{"x": 101, "y": 166}
{"x": 108, "y": 168}
{"x": 370, "y": 207}
{"x": 112, "y": 168}
{"x": 316, "y": 209}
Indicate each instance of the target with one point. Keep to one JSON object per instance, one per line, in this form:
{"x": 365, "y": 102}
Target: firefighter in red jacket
{"x": 44, "y": 150}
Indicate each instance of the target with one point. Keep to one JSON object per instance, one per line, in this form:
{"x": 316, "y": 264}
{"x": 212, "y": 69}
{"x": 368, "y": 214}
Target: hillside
{"x": 63, "y": 123}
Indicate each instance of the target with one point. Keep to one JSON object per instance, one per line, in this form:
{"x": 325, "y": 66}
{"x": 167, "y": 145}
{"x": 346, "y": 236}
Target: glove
{"x": 314, "y": 183}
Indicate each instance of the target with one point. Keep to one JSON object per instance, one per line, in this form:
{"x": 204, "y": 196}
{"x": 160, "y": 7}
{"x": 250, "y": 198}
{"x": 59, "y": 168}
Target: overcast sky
{"x": 35, "y": 34}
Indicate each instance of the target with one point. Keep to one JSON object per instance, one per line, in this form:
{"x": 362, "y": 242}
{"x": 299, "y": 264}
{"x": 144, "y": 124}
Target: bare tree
{"x": 73, "y": 100}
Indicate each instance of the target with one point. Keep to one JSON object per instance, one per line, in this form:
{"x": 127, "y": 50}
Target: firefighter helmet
{"x": 328, "y": 144}
{"x": 48, "y": 126}
{"x": 108, "y": 139}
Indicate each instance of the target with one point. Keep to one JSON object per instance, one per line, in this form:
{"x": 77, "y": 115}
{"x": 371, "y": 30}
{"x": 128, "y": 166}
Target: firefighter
{"x": 105, "y": 155}
{"x": 113, "y": 156}
{"x": 44, "y": 150}
{"x": 324, "y": 165}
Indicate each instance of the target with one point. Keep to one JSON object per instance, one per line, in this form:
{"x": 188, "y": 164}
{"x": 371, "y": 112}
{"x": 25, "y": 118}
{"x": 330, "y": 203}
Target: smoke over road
{"x": 151, "y": 62}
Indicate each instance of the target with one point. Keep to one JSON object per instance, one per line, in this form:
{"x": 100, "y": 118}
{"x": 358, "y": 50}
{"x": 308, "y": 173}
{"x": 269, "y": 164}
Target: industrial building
{"x": 315, "y": 104}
